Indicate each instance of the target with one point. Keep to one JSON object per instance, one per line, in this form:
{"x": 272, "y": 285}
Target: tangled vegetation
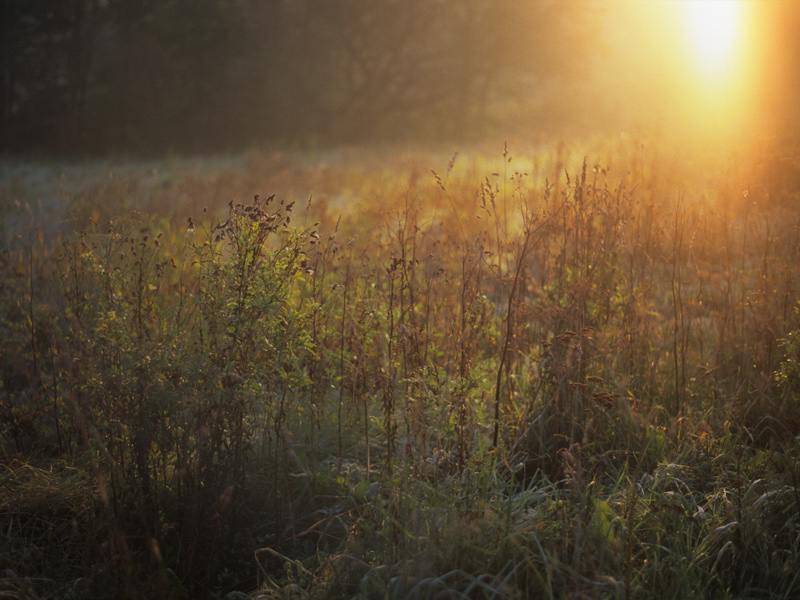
{"x": 537, "y": 377}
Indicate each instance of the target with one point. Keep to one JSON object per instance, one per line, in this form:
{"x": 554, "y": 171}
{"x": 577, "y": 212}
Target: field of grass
{"x": 516, "y": 372}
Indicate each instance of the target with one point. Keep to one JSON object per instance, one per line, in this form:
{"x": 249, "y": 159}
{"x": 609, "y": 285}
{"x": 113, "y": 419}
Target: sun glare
{"x": 713, "y": 26}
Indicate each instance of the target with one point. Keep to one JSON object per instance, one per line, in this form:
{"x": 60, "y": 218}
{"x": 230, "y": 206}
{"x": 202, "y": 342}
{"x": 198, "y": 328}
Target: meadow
{"x": 515, "y": 371}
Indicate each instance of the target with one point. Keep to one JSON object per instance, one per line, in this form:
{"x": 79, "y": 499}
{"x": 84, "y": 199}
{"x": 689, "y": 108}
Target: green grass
{"x": 535, "y": 376}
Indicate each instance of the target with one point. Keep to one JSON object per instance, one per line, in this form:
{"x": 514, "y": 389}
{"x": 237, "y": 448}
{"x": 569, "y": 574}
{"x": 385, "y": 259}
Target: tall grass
{"x": 513, "y": 377}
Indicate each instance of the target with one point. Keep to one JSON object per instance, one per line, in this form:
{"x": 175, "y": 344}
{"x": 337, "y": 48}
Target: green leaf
{"x": 603, "y": 519}
{"x": 360, "y": 491}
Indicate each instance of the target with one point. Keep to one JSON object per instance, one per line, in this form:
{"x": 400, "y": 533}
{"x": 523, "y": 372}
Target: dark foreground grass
{"x": 531, "y": 377}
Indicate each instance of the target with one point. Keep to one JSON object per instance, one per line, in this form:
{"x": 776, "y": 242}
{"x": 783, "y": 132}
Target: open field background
{"x": 565, "y": 371}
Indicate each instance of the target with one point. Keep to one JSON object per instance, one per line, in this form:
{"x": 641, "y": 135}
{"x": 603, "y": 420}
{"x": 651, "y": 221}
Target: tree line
{"x": 200, "y": 75}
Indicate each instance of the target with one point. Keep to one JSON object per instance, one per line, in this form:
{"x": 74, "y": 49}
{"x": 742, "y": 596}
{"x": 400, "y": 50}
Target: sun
{"x": 714, "y": 28}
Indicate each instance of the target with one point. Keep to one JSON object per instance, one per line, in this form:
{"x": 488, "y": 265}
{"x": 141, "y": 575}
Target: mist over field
{"x": 327, "y": 299}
